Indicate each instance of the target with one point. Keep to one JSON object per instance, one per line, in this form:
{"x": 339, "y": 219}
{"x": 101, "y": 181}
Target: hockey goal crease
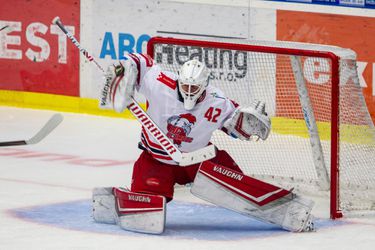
{"x": 322, "y": 139}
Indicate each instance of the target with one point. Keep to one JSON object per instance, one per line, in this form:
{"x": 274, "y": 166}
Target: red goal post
{"x": 312, "y": 94}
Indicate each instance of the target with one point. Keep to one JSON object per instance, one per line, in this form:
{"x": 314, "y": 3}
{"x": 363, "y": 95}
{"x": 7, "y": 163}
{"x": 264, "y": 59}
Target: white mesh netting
{"x": 264, "y": 72}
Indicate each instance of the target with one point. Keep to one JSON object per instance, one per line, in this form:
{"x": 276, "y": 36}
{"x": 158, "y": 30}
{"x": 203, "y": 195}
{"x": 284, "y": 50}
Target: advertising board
{"x": 35, "y": 55}
{"x": 354, "y": 32}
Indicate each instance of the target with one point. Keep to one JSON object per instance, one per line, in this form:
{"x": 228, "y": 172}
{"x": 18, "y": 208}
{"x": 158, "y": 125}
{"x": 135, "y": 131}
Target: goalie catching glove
{"x": 248, "y": 122}
{"x": 118, "y": 88}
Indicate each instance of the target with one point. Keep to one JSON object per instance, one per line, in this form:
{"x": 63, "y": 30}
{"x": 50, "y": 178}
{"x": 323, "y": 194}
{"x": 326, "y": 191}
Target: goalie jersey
{"x": 188, "y": 130}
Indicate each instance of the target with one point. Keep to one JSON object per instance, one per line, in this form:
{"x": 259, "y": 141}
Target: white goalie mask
{"x": 192, "y": 81}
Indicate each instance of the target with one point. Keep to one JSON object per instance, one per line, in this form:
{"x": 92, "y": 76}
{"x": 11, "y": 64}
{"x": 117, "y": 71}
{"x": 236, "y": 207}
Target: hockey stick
{"x": 183, "y": 159}
{"x": 52, "y": 123}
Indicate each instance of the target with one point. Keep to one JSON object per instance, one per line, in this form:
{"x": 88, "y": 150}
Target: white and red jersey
{"x": 189, "y": 130}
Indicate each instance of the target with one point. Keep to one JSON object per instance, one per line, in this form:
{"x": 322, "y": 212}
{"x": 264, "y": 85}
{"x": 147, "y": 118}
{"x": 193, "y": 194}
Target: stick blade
{"x": 52, "y": 123}
{"x": 12, "y": 143}
{"x": 198, "y": 156}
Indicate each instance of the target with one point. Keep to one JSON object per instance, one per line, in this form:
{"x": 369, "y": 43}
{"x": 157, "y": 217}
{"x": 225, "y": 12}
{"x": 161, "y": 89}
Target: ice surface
{"x": 45, "y": 192}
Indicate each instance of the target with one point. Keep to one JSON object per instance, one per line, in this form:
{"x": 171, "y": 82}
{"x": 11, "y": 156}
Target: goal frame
{"x": 335, "y": 211}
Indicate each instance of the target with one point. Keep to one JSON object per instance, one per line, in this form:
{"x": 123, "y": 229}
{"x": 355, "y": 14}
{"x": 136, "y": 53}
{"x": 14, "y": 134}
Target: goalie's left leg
{"x": 251, "y": 197}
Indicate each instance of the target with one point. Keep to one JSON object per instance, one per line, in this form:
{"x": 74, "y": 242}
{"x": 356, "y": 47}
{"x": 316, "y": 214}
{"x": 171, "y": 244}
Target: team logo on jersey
{"x": 179, "y": 127}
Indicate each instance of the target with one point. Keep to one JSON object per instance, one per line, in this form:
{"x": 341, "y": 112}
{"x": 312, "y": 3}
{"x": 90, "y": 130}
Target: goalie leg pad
{"x": 131, "y": 211}
{"x": 251, "y": 197}
{"x": 138, "y": 212}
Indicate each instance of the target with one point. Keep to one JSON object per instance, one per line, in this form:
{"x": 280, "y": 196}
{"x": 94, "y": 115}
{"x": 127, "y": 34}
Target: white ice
{"x": 45, "y": 192}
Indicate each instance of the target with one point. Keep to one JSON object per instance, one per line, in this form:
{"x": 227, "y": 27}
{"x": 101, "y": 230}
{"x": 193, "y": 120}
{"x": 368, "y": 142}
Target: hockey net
{"x": 322, "y": 139}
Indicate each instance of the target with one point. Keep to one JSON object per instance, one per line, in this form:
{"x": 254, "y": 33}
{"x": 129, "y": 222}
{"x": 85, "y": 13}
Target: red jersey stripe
{"x": 136, "y": 60}
{"x": 148, "y": 59}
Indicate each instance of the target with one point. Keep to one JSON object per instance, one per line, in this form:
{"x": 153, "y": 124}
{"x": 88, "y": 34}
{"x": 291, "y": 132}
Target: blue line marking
{"x": 184, "y": 221}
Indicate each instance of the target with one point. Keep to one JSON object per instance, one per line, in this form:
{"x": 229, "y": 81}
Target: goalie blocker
{"x": 232, "y": 190}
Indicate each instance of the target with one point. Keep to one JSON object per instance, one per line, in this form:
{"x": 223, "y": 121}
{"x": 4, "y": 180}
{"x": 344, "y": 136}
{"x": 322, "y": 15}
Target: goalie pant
{"x": 151, "y": 176}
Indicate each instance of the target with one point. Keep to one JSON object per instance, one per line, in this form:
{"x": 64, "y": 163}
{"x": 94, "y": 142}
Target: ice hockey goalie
{"x": 188, "y": 110}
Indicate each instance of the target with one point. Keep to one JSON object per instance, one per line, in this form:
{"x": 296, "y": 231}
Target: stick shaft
{"x": 89, "y": 57}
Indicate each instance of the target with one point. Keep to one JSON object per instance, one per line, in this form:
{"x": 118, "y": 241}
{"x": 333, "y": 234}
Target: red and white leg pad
{"x": 131, "y": 211}
{"x": 251, "y": 197}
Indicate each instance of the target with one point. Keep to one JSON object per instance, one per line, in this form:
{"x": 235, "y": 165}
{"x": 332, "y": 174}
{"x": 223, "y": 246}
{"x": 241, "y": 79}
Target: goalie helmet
{"x": 192, "y": 81}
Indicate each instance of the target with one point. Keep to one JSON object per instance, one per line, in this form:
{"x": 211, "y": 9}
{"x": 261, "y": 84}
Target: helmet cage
{"x": 192, "y": 81}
